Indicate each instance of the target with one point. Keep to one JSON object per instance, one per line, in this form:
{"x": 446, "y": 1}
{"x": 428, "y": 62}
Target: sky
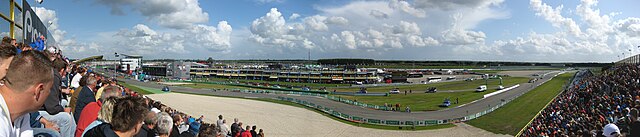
{"x": 474, "y": 30}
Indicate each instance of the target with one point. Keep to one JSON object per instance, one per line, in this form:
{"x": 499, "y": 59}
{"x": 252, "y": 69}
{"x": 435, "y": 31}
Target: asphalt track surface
{"x": 451, "y": 113}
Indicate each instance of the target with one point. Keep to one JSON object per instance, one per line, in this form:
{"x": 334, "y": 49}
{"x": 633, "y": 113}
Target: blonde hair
{"x": 106, "y": 110}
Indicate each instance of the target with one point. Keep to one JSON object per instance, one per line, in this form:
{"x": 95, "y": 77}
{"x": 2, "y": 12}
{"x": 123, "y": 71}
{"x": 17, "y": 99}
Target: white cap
{"x": 155, "y": 110}
{"x": 609, "y": 129}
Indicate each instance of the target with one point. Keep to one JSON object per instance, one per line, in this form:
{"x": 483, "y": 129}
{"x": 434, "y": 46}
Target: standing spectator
{"x": 6, "y": 55}
{"x": 90, "y": 112}
{"x": 128, "y": 115}
{"x": 260, "y": 134}
{"x": 247, "y": 132}
{"x": 85, "y": 97}
{"x": 219, "y": 122}
{"x": 224, "y": 129}
{"x": 234, "y": 127}
{"x": 52, "y": 109}
{"x": 26, "y": 86}
{"x": 164, "y": 124}
{"x": 253, "y": 131}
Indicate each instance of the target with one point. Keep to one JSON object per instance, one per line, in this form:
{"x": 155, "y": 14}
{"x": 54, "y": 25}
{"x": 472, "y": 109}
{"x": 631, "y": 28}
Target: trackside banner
{"x": 33, "y": 27}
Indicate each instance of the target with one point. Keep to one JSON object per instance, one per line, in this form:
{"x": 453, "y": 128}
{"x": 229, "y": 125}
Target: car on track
{"x": 500, "y": 87}
{"x": 394, "y": 91}
{"x": 166, "y": 89}
{"x": 446, "y": 103}
{"x": 431, "y": 90}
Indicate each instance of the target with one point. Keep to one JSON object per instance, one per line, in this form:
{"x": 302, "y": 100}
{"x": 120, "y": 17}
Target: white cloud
{"x": 294, "y": 16}
{"x": 378, "y": 14}
{"x": 406, "y": 7}
{"x": 555, "y": 17}
{"x": 454, "y": 4}
{"x": 178, "y": 14}
{"x": 269, "y": 1}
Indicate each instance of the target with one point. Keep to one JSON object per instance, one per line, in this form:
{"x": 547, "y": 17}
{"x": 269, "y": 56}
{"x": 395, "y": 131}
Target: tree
{"x": 210, "y": 60}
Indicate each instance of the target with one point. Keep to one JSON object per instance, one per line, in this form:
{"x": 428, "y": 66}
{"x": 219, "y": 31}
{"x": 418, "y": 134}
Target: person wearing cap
{"x": 611, "y": 130}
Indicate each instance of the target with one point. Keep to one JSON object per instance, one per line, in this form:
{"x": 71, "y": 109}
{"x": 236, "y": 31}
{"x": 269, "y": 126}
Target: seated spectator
{"x": 6, "y": 55}
{"x": 149, "y": 127}
{"x": 164, "y": 124}
{"x": 82, "y": 81}
{"x": 85, "y": 97}
{"x": 105, "y": 114}
{"x": 208, "y": 130}
{"x": 25, "y": 89}
{"x": 128, "y": 115}
{"x": 177, "y": 119}
{"x": 52, "y": 109}
{"x": 90, "y": 112}
{"x": 260, "y": 134}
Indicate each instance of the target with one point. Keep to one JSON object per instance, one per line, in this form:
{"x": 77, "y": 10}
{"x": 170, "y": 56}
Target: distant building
{"x": 179, "y": 70}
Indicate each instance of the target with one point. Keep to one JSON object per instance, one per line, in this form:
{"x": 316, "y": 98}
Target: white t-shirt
{"x": 75, "y": 82}
{"x": 20, "y": 128}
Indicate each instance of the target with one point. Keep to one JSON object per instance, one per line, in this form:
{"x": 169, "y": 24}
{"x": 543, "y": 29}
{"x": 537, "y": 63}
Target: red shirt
{"x": 246, "y": 133}
{"x": 87, "y": 116}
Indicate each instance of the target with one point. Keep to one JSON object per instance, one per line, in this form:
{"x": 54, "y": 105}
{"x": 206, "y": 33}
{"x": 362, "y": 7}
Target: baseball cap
{"x": 155, "y": 110}
{"x": 610, "y": 129}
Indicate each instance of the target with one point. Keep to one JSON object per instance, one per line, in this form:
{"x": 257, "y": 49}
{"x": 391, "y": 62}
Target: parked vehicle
{"x": 482, "y": 88}
{"x": 394, "y": 91}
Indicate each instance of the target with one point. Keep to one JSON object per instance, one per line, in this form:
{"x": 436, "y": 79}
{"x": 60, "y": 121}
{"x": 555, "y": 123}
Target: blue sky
{"x": 515, "y": 30}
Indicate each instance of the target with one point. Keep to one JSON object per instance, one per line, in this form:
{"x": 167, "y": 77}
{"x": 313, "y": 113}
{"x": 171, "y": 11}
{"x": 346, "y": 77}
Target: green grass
{"x": 488, "y": 71}
{"x": 422, "y": 101}
{"x": 366, "y": 125}
{"x": 136, "y": 88}
{"x": 313, "y": 85}
{"x": 409, "y": 66}
{"x": 442, "y": 86}
{"x": 512, "y": 117}
{"x": 212, "y": 86}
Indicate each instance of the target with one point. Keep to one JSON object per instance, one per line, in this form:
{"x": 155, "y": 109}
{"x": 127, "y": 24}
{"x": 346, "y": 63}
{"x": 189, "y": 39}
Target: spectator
{"x": 150, "y": 123}
{"x": 635, "y": 124}
{"x": 234, "y": 127}
{"x": 219, "y": 122}
{"x": 177, "y": 119}
{"x": 6, "y": 55}
{"x": 105, "y": 114}
{"x": 208, "y": 130}
{"x": 164, "y": 124}
{"x": 76, "y": 91}
{"x": 224, "y": 129}
{"x": 260, "y": 134}
{"x": 611, "y": 130}
{"x": 75, "y": 82}
{"x": 52, "y": 109}
{"x": 247, "y": 132}
{"x": 26, "y": 86}
{"x": 253, "y": 131}
{"x": 90, "y": 112}
{"x": 85, "y": 97}
{"x": 128, "y": 115}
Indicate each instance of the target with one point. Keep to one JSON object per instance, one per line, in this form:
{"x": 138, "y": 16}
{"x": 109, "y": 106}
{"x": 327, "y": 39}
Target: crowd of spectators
{"x": 594, "y": 105}
{"x": 43, "y": 94}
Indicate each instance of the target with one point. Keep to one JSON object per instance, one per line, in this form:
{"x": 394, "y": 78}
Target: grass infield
{"x": 509, "y": 119}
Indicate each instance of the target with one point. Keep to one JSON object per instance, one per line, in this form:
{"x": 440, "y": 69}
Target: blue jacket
{"x": 37, "y": 45}
{"x": 85, "y": 97}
